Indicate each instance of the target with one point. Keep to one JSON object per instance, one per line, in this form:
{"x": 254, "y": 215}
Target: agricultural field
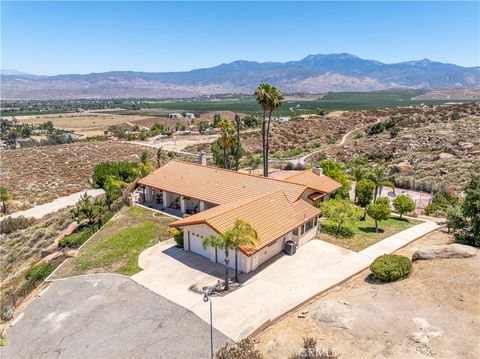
{"x": 39, "y": 175}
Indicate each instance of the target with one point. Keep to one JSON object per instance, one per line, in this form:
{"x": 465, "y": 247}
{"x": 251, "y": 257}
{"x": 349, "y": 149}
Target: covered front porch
{"x": 172, "y": 203}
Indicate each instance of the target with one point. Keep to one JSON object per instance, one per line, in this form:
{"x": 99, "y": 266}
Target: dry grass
{"x": 39, "y": 175}
{"x": 21, "y": 249}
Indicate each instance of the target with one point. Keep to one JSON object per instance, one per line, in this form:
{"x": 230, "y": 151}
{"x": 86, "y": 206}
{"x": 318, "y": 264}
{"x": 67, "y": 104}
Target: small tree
{"x": 340, "y": 212}
{"x": 364, "y": 193}
{"x": 89, "y": 209}
{"x": 113, "y": 189}
{"x": 4, "y": 197}
{"x": 403, "y": 204}
{"x": 466, "y": 226}
{"x": 379, "y": 211}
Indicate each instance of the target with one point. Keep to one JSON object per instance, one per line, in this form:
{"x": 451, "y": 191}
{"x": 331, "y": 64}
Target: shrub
{"x": 340, "y": 213}
{"x": 288, "y": 166}
{"x": 123, "y": 171}
{"x": 310, "y": 351}
{"x": 403, "y": 204}
{"x": 177, "y": 234}
{"x": 343, "y": 232}
{"x": 390, "y": 267}
{"x": 106, "y": 217}
{"x": 244, "y": 349}
{"x": 75, "y": 240}
{"x": 10, "y": 225}
{"x": 39, "y": 272}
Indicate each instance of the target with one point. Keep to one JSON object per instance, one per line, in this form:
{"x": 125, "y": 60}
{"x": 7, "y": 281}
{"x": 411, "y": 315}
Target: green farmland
{"x": 331, "y": 102}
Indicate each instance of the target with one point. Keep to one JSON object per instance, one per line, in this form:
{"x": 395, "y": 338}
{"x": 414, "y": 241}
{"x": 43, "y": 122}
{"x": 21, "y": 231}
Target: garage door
{"x": 196, "y": 246}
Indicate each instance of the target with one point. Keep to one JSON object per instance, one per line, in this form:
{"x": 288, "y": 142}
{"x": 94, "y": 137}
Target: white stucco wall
{"x": 197, "y": 233}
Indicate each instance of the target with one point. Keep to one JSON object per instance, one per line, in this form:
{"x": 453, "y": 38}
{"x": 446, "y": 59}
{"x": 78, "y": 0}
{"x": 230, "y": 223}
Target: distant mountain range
{"x": 313, "y": 74}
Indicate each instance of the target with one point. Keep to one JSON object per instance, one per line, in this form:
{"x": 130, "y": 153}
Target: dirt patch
{"x": 39, "y": 175}
{"x": 434, "y": 312}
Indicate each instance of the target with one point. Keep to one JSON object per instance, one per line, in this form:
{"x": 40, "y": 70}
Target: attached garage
{"x": 194, "y": 240}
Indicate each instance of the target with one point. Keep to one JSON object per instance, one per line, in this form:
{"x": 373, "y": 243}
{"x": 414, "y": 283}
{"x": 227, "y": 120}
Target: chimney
{"x": 318, "y": 171}
{"x": 202, "y": 159}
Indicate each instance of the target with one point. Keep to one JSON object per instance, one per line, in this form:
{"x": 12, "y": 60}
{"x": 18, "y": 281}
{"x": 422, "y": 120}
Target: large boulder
{"x": 402, "y": 167}
{"x": 445, "y": 251}
{"x": 52, "y": 257}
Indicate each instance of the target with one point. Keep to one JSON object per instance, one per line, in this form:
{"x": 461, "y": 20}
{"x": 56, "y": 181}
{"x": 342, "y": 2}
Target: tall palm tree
{"x": 242, "y": 234}
{"x": 262, "y": 94}
{"x": 238, "y": 122}
{"x": 161, "y": 156}
{"x": 378, "y": 175}
{"x": 145, "y": 164}
{"x": 269, "y": 98}
{"x": 276, "y": 99}
{"x": 226, "y": 140}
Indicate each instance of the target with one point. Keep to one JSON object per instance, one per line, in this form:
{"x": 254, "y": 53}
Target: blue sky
{"x": 83, "y": 37}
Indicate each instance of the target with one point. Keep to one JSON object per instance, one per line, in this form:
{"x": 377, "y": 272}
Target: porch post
{"x": 165, "y": 199}
{"x": 148, "y": 194}
{"x": 182, "y": 204}
{"x": 202, "y": 206}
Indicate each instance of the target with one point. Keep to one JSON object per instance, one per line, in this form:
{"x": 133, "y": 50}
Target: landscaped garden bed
{"x": 364, "y": 232}
{"x": 116, "y": 247}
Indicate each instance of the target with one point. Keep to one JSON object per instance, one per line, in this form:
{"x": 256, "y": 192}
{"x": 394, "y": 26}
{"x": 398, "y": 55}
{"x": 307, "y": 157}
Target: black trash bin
{"x": 290, "y": 248}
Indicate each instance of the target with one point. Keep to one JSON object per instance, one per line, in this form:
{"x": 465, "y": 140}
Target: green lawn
{"x": 364, "y": 232}
{"x": 116, "y": 247}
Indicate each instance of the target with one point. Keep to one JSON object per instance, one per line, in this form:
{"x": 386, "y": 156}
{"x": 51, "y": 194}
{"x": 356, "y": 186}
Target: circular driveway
{"x": 107, "y": 316}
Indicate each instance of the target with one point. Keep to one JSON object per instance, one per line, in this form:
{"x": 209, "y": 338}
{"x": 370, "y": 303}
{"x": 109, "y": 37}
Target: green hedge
{"x": 75, "y": 240}
{"x": 39, "y": 272}
{"x": 390, "y": 267}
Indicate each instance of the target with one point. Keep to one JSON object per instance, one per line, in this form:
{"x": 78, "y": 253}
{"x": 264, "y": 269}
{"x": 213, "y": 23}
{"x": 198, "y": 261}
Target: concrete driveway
{"x": 278, "y": 286}
{"x": 107, "y": 316}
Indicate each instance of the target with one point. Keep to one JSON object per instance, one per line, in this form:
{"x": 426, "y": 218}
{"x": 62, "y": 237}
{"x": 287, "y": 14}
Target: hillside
{"x": 423, "y": 146}
{"x": 313, "y": 74}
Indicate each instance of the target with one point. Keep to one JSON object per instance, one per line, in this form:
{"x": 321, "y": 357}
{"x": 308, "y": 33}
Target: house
{"x": 278, "y": 209}
{"x": 190, "y": 115}
{"x": 175, "y": 116}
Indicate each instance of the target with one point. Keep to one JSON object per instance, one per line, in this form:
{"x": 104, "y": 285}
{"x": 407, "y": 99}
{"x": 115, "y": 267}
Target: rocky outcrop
{"x": 402, "y": 167}
{"x": 445, "y": 251}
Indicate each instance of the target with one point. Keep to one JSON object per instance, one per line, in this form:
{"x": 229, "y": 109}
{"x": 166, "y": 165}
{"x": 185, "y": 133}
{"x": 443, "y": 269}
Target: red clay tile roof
{"x": 216, "y": 185}
{"x": 311, "y": 180}
{"x": 272, "y": 215}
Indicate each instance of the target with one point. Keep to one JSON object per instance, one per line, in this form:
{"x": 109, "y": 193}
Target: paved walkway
{"x": 277, "y": 287}
{"x": 57, "y": 204}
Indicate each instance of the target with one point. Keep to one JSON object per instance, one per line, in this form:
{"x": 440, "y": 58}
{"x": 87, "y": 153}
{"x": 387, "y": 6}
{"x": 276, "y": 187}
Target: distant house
{"x": 190, "y": 115}
{"x": 280, "y": 210}
{"x": 175, "y": 116}
{"x": 284, "y": 119}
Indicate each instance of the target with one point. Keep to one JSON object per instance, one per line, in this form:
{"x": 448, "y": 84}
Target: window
{"x": 295, "y": 232}
{"x": 315, "y": 221}
{"x": 309, "y": 225}
{"x": 302, "y": 229}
